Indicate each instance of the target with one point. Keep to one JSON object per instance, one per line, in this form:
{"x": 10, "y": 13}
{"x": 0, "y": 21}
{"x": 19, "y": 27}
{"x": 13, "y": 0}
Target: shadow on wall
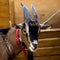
{"x": 4, "y": 31}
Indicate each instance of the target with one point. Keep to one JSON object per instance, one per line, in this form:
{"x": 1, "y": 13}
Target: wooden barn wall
{"x": 6, "y": 13}
{"x": 45, "y": 8}
{"x": 11, "y": 10}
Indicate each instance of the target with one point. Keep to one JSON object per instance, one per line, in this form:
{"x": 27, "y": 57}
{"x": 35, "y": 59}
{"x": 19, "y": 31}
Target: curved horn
{"x": 26, "y": 12}
{"x": 34, "y": 11}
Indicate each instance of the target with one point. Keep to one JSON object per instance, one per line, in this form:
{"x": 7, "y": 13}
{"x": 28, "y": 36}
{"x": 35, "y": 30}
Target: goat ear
{"x": 34, "y": 11}
{"x": 18, "y": 26}
{"x": 26, "y": 12}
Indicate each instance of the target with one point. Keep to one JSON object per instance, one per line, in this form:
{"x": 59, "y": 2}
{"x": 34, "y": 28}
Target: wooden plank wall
{"x": 6, "y": 13}
{"x": 45, "y": 8}
{"x": 12, "y": 10}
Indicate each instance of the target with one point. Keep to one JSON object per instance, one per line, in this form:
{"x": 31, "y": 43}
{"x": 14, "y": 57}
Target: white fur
{"x": 35, "y": 42}
{"x": 31, "y": 49}
{"x": 27, "y": 29}
{"x": 31, "y": 46}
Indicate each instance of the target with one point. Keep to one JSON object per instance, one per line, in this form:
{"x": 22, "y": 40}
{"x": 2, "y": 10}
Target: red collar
{"x": 19, "y": 42}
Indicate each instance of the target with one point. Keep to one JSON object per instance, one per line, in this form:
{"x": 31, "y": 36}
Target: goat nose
{"x": 35, "y": 43}
{"x": 35, "y": 46}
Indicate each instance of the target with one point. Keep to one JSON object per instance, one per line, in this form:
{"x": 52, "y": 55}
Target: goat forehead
{"x": 31, "y": 27}
{"x": 32, "y": 21}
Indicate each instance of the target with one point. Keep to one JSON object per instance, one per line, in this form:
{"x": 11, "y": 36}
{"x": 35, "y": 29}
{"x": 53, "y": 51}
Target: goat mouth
{"x": 32, "y": 48}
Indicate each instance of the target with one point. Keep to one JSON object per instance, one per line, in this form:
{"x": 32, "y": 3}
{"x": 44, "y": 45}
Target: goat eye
{"x": 24, "y": 31}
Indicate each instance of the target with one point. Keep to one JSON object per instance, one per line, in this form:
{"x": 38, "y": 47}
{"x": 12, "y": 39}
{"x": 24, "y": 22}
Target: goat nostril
{"x": 35, "y": 46}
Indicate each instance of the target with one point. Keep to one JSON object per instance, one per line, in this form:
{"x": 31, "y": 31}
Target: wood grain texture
{"x": 47, "y": 58}
{"x": 13, "y": 10}
{"x": 52, "y": 33}
{"x": 6, "y": 13}
{"x": 56, "y": 57}
{"x": 5, "y": 1}
{"x": 42, "y": 58}
{"x": 44, "y": 8}
{"x": 49, "y": 42}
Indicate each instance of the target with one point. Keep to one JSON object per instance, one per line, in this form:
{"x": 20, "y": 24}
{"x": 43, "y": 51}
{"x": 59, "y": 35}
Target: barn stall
{"x": 11, "y": 11}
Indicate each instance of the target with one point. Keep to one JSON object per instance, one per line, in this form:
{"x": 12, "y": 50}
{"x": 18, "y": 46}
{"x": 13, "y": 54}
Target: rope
{"x": 19, "y": 43}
